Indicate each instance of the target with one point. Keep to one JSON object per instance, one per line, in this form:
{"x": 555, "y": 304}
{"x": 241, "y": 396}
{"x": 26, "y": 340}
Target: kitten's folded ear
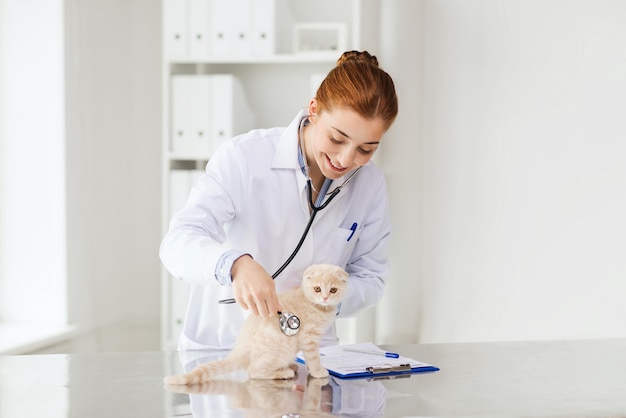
{"x": 342, "y": 274}
{"x": 325, "y": 269}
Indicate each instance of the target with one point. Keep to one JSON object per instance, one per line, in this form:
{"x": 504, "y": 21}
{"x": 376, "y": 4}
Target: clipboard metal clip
{"x": 389, "y": 369}
{"x": 390, "y": 377}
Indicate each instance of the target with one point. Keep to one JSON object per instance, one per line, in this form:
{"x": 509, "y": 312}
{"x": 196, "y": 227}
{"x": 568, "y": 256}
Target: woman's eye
{"x": 333, "y": 290}
{"x": 366, "y": 151}
{"x": 335, "y": 141}
{"x": 317, "y": 289}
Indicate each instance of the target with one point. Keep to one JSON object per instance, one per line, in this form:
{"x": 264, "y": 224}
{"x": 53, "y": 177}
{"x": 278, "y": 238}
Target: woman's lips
{"x": 334, "y": 167}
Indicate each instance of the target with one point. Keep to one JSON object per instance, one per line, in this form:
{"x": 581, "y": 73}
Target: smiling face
{"x": 339, "y": 140}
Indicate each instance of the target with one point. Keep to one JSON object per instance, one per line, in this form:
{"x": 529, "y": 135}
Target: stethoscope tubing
{"x": 314, "y": 210}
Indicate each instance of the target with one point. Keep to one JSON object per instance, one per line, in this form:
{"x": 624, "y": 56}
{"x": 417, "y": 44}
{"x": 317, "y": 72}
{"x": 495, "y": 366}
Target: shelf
{"x": 271, "y": 84}
{"x": 303, "y": 58}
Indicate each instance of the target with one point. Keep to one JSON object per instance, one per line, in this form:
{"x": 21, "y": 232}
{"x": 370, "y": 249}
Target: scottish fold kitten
{"x": 264, "y": 350}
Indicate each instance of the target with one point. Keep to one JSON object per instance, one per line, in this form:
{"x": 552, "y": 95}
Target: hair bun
{"x": 359, "y": 56}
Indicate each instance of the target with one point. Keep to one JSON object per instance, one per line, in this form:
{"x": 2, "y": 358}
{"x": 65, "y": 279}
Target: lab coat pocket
{"x": 339, "y": 249}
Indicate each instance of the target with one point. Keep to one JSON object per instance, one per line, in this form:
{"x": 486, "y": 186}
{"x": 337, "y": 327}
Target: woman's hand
{"x": 253, "y": 287}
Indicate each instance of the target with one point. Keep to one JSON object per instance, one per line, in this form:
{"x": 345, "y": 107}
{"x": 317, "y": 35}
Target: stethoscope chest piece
{"x": 289, "y": 323}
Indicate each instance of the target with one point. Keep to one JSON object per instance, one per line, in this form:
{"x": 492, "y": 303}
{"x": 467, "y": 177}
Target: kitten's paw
{"x": 186, "y": 379}
{"x": 318, "y": 372}
{"x": 285, "y": 374}
{"x": 203, "y": 388}
{"x": 175, "y": 380}
{"x": 314, "y": 382}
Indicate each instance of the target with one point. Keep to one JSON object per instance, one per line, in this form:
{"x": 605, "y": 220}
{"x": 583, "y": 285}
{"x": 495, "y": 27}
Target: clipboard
{"x": 345, "y": 364}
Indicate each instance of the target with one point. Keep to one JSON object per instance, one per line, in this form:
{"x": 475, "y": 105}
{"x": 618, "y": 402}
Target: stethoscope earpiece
{"x": 289, "y": 323}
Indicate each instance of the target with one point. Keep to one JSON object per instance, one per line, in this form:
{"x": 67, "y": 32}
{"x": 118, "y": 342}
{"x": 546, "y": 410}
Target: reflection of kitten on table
{"x": 261, "y": 398}
{"x": 264, "y": 350}
{"x": 306, "y": 396}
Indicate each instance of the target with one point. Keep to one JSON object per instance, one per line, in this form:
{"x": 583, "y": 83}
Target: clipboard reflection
{"x": 302, "y": 396}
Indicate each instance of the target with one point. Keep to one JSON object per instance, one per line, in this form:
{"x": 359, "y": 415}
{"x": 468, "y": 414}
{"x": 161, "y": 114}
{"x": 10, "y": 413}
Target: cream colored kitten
{"x": 262, "y": 348}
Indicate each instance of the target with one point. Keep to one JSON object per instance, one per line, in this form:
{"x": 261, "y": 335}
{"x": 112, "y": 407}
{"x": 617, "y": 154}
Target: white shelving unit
{"x": 276, "y": 79}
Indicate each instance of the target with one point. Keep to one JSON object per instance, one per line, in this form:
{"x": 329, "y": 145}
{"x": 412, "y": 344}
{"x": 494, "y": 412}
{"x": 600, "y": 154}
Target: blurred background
{"x": 505, "y": 168}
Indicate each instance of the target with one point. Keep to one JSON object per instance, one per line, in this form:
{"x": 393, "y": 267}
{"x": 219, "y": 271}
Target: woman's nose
{"x": 346, "y": 157}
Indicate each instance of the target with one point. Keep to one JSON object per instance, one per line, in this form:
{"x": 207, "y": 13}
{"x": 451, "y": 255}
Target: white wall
{"x": 32, "y": 189}
{"x": 505, "y": 167}
{"x": 113, "y": 161}
{"x": 506, "y": 170}
{"x": 400, "y": 44}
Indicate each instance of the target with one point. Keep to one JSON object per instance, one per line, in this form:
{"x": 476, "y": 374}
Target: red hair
{"x": 359, "y": 84}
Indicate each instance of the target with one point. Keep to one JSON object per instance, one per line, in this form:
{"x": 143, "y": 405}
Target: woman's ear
{"x": 313, "y": 108}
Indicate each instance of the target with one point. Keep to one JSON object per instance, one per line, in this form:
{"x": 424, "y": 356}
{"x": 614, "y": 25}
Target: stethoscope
{"x": 290, "y": 323}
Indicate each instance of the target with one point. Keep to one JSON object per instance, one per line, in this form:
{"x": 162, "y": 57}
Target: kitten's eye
{"x": 317, "y": 289}
{"x": 333, "y": 290}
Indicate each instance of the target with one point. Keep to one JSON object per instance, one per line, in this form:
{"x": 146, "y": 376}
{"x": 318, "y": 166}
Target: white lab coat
{"x": 253, "y": 198}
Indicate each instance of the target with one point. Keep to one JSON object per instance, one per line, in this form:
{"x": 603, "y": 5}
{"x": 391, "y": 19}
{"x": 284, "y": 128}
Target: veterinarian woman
{"x": 246, "y": 215}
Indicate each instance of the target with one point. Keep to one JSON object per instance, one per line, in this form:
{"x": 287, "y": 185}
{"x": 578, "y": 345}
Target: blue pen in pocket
{"x": 353, "y": 229}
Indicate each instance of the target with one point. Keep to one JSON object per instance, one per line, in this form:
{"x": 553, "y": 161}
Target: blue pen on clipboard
{"x": 377, "y": 353}
{"x": 353, "y": 229}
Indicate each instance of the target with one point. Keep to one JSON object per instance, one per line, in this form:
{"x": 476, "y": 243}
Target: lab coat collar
{"x": 287, "y": 148}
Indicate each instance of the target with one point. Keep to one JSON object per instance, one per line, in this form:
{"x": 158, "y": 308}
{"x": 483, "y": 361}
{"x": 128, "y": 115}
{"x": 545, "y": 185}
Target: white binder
{"x": 194, "y": 177}
{"x": 230, "y": 111}
{"x": 240, "y": 17}
{"x": 199, "y": 27}
{"x": 263, "y": 20}
{"x": 181, "y": 183}
{"x": 191, "y": 115}
{"x": 221, "y": 38}
{"x": 175, "y": 28}
{"x": 179, "y": 190}
{"x": 180, "y": 124}
{"x": 207, "y": 110}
